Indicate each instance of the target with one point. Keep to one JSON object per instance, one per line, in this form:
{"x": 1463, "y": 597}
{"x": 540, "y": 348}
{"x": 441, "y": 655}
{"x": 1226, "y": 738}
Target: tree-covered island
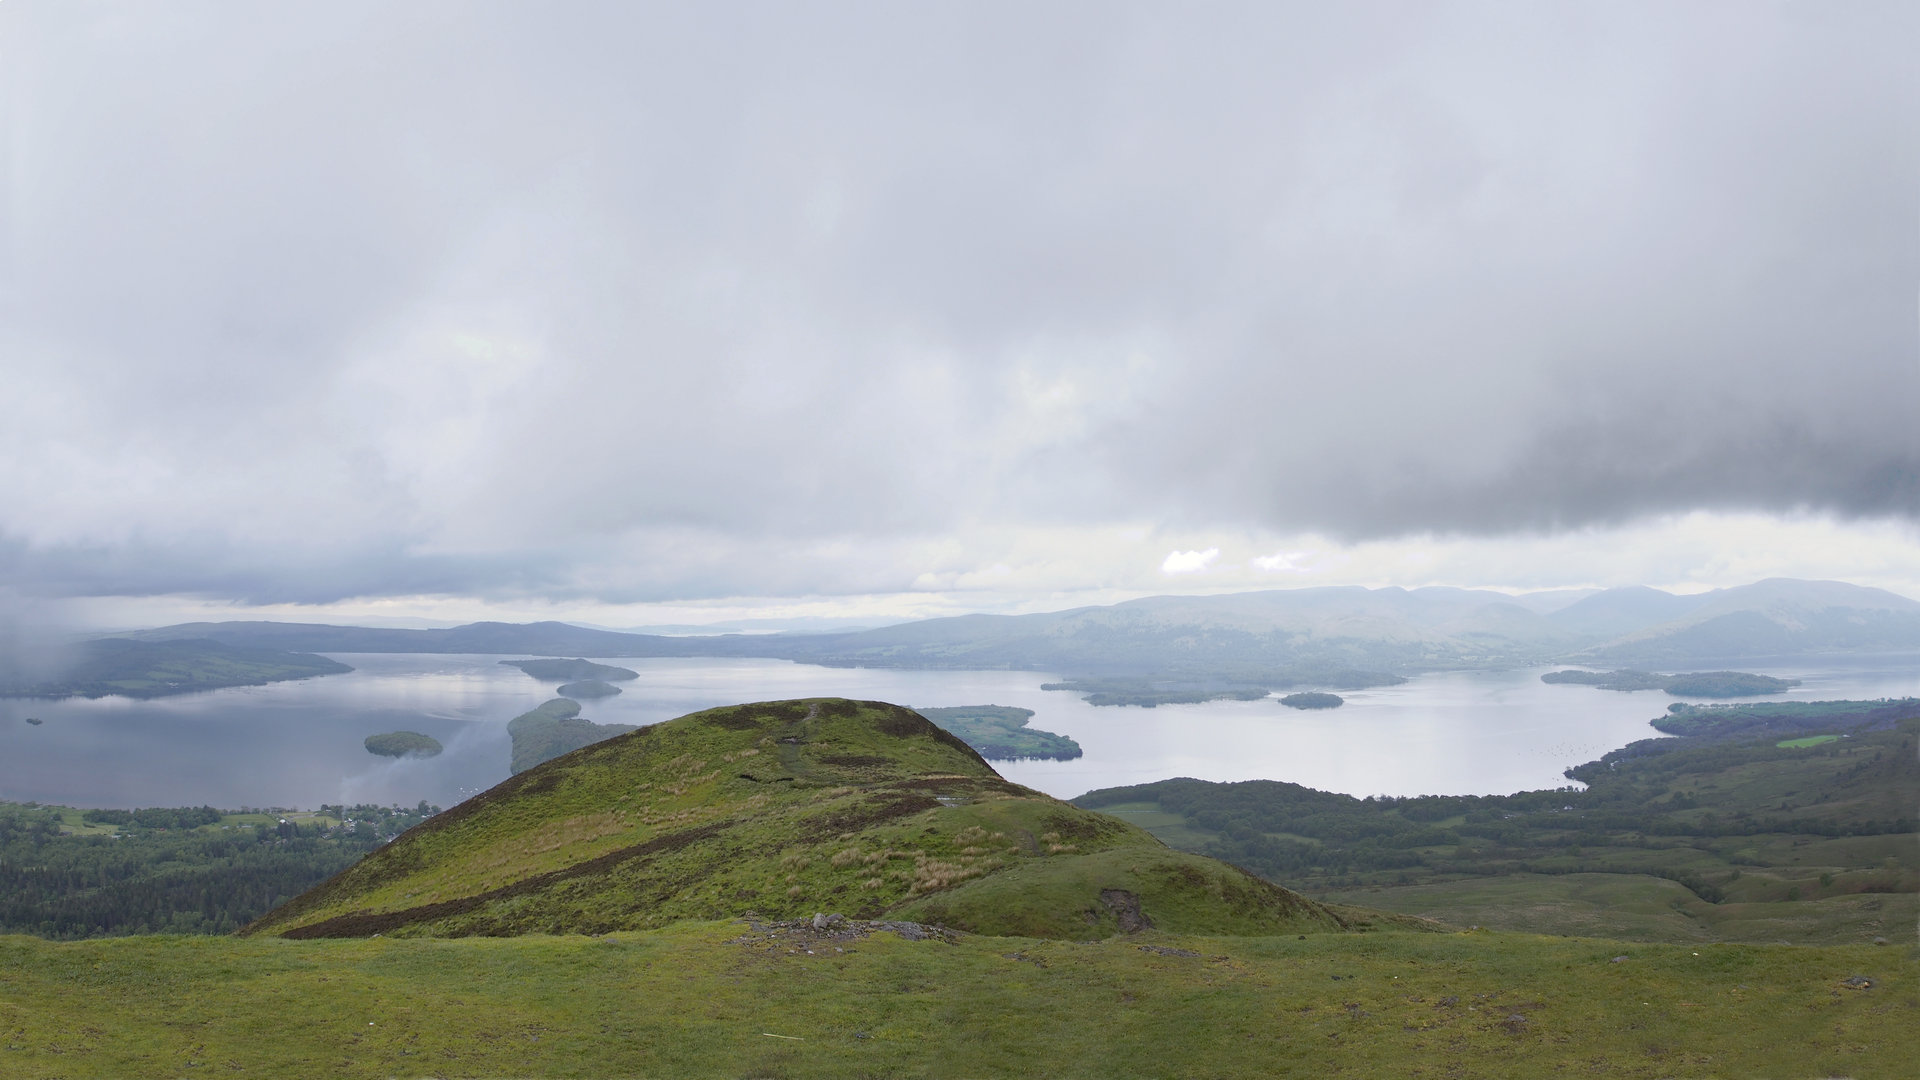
{"x": 1148, "y": 694}
{"x": 1000, "y": 732}
{"x": 1313, "y": 699}
{"x": 1691, "y": 684}
{"x": 548, "y": 669}
{"x": 1240, "y": 683}
{"x": 396, "y": 744}
{"x": 588, "y": 689}
{"x": 553, "y": 729}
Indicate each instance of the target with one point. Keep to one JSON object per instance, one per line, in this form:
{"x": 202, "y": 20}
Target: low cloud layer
{"x": 628, "y": 304}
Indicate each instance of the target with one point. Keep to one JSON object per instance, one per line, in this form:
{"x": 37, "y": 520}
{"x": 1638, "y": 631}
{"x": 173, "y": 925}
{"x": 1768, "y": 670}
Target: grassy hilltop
{"x": 783, "y": 809}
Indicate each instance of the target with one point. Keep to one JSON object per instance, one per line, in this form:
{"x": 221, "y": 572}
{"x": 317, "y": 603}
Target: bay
{"x": 299, "y": 744}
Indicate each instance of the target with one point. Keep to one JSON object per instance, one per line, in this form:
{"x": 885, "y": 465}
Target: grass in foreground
{"x": 720, "y": 999}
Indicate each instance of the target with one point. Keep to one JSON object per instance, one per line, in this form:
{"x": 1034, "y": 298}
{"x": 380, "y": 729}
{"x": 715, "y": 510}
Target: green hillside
{"x": 783, "y": 809}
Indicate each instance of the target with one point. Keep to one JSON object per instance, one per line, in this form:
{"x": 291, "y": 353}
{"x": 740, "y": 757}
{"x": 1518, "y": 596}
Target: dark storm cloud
{"x": 342, "y": 300}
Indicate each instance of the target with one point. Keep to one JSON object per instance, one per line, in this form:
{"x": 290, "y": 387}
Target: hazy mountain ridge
{"x": 1279, "y": 637}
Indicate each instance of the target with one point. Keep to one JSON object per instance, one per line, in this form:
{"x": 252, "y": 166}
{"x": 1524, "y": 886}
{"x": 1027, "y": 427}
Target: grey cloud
{"x": 332, "y": 300}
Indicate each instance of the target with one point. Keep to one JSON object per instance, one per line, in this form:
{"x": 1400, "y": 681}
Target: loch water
{"x": 299, "y": 744}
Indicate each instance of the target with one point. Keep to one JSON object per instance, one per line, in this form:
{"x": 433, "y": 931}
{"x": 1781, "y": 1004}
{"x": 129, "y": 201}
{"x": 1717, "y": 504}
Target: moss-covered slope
{"x": 783, "y": 808}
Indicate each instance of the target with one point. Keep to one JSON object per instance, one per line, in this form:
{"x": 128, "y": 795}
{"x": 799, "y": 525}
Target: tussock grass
{"x": 693, "y": 1000}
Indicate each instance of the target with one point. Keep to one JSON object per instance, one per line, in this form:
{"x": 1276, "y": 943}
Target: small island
{"x": 1000, "y": 732}
{"x": 1149, "y": 694}
{"x": 35, "y": 721}
{"x": 395, "y": 744}
{"x": 553, "y": 729}
{"x": 588, "y": 689}
{"x": 1191, "y": 688}
{"x": 1313, "y": 699}
{"x": 1692, "y": 684}
{"x": 547, "y": 669}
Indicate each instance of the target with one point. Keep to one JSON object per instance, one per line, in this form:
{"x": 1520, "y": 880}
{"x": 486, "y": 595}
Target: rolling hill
{"x": 782, "y": 809}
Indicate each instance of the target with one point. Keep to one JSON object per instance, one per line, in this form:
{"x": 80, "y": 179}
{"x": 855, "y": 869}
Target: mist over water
{"x": 299, "y": 744}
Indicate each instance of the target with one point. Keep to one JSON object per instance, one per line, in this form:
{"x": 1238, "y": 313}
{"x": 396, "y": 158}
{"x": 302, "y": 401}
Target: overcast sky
{"x": 644, "y": 314}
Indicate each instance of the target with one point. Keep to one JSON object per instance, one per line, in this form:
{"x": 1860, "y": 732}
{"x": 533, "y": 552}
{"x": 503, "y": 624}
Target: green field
{"x": 726, "y": 999}
{"x": 1810, "y": 740}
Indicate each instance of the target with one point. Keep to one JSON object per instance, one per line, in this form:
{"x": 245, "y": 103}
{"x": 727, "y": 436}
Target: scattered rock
{"x": 1618, "y": 960}
{"x": 1879, "y": 941}
{"x": 1165, "y": 950}
{"x": 1515, "y": 1024}
{"x": 1857, "y": 982}
{"x": 802, "y": 935}
{"x": 1126, "y": 910}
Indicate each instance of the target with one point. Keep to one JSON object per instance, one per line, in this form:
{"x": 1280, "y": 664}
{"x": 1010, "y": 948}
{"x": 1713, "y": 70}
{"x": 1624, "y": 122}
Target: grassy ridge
{"x": 782, "y": 808}
{"x": 703, "y": 999}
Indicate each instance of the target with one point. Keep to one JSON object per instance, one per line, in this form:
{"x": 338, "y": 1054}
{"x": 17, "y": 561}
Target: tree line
{"x": 172, "y": 870}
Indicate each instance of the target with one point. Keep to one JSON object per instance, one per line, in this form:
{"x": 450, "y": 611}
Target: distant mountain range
{"x": 1280, "y": 637}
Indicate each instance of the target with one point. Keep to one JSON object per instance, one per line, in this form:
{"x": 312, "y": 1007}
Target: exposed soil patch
{"x": 1126, "y": 910}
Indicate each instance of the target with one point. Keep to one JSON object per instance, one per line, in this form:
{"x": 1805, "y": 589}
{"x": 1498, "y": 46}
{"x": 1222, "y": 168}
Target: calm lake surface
{"x": 298, "y": 744}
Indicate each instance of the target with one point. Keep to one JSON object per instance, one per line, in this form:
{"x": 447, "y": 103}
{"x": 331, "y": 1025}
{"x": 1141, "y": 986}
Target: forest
{"x": 1694, "y": 810}
{"x": 68, "y": 873}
